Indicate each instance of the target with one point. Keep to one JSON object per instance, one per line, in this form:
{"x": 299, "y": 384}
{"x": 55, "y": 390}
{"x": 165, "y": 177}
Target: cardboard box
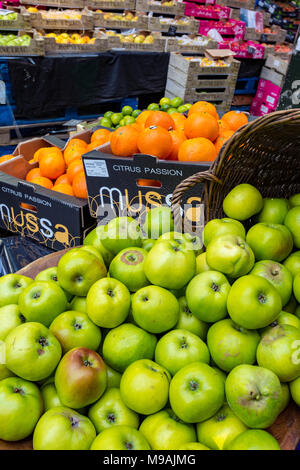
{"x": 218, "y": 12}
{"x": 277, "y": 64}
{"x": 272, "y": 76}
{"x": 231, "y": 27}
{"x": 56, "y": 220}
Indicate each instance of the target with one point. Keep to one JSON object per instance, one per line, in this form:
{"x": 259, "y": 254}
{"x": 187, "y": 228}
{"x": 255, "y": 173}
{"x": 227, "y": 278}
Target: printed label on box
{"x": 96, "y": 168}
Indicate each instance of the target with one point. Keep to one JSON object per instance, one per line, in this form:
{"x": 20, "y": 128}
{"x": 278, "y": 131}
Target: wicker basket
{"x": 264, "y": 153}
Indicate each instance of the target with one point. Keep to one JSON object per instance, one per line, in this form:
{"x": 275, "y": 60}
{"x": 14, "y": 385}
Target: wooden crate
{"x": 158, "y": 44}
{"x": 36, "y": 48}
{"x": 21, "y": 23}
{"x": 85, "y": 23}
{"x": 248, "y": 4}
{"x": 201, "y": 80}
{"x": 194, "y": 67}
{"x": 192, "y": 26}
{"x": 110, "y": 4}
{"x": 157, "y": 7}
{"x": 101, "y": 22}
{"x": 173, "y": 45}
{"x": 55, "y": 3}
{"x": 52, "y": 47}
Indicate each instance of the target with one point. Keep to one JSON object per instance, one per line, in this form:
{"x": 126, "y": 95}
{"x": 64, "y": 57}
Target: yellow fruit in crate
{"x": 86, "y": 39}
{"x": 50, "y": 35}
{"x": 149, "y": 39}
{"x": 92, "y": 41}
{"x": 139, "y": 39}
{"x": 32, "y": 10}
{"x": 63, "y": 36}
{"x": 75, "y": 36}
{"x": 63, "y": 41}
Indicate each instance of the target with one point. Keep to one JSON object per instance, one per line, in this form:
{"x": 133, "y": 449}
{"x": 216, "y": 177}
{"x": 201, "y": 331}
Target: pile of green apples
{"x": 14, "y": 40}
{"x": 174, "y": 105}
{"x": 147, "y": 338}
{"x": 9, "y": 17}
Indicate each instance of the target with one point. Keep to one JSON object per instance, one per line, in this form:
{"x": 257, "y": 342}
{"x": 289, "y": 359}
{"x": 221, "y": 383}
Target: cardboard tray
{"x": 58, "y": 221}
{"x": 156, "y": 7}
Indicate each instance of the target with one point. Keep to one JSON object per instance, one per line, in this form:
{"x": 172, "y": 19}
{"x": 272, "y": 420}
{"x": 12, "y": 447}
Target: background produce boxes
{"x": 157, "y": 7}
{"x": 56, "y": 3}
{"x": 22, "y": 21}
{"x": 35, "y": 48}
{"x": 216, "y": 12}
{"x": 111, "y": 5}
{"x": 158, "y": 44}
{"x": 251, "y": 51}
{"x": 53, "y": 47}
{"x": 231, "y": 27}
{"x": 85, "y": 23}
{"x": 279, "y": 65}
{"x": 102, "y": 22}
{"x": 175, "y": 45}
{"x": 190, "y": 26}
{"x": 56, "y": 220}
{"x": 248, "y": 4}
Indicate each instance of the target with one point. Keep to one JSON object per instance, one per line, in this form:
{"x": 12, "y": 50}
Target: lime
{"x": 153, "y": 107}
{"x": 182, "y": 109}
{"x": 127, "y": 110}
{"x": 116, "y": 118}
{"x": 128, "y": 120}
{"x": 105, "y": 122}
{"x": 117, "y": 126}
{"x": 188, "y": 105}
{"x": 122, "y": 122}
{"x": 172, "y": 110}
{"x": 136, "y": 112}
{"x": 165, "y": 107}
{"x": 108, "y": 114}
{"x": 175, "y": 102}
{"x": 165, "y": 101}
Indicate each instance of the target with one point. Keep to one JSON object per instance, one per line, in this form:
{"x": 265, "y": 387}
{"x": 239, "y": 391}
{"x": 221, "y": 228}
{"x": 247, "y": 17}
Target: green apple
{"x": 178, "y": 348}
{"x": 163, "y": 255}
{"x": 292, "y": 263}
{"x": 164, "y": 431}
{"x": 121, "y": 233}
{"x": 201, "y": 263}
{"x": 42, "y": 301}
{"x": 254, "y": 395}
{"x": 61, "y": 428}
{"x": 5, "y": 372}
{"x": 32, "y": 351}
{"x": 108, "y": 302}
{"x": 126, "y": 344}
{"x": 78, "y": 304}
{"x": 144, "y": 387}
{"x": 219, "y": 227}
{"x": 78, "y": 270}
{"x": 242, "y": 202}
{"x": 297, "y": 312}
{"x": 296, "y": 287}
{"x": 120, "y": 438}
{"x": 188, "y": 321}
{"x": 274, "y": 210}
{"x": 158, "y": 221}
{"x": 278, "y": 275}
{"x": 295, "y": 200}
{"x": 196, "y": 392}
{"x": 220, "y": 372}
{"x": 284, "y": 318}
{"x": 292, "y": 222}
{"x": 93, "y": 250}
{"x": 94, "y": 239}
{"x": 253, "y": 302}
{"x": 291, "y": 306}
{"x": 128, "y": 267}
{"x": 75, "y": 329}
{"x": 218, "y": 432}
{"x": 206, "y": 296}
{"x": 11, "y": 286}
{"x": 277, "y": 351}
{"x": 50, "y": 274}
{"x": 192, "y": 446}
{"x": 21, "y": 405}
{"x": 230, "y": 255}
{"x": 231, "y": 345}
{"x": 254, "y": 439}
{"x": 10, "y": 317}
{"x": 49, "y": 395}
{"x": 155, "y": 309}
{"x": 110, "y": 411}
{"x": 113, "y": 378}
{"x": 147, "y": 243}
{"x": 270, "y": 241}
{"x": 285, "y": 395}
{"x": 187, "y": 240}
{"x": 80, "y": 378}
{"x": 295, "y": 390}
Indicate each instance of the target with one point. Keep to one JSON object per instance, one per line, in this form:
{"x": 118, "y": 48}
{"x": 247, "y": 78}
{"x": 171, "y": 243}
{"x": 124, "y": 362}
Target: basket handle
{"x": 190, "y": 182}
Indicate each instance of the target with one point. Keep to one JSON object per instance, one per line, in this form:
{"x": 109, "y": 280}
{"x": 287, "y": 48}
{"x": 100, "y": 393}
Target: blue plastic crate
{"x": 6, "y": 115}
{"x": 246, "y": 86}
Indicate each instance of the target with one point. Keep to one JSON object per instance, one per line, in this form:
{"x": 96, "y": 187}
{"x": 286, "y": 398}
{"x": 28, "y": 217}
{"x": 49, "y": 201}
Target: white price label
{"x": 96, "y": 168}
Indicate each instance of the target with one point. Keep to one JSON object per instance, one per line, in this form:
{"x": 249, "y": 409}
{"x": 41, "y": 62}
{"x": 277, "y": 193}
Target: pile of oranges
{"x": 196, "y": 138}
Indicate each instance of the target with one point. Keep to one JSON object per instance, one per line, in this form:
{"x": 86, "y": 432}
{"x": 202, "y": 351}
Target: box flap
{"x": 219, "y": 53}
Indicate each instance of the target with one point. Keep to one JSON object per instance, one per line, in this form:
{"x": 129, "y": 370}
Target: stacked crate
{"x": 192, "y": 81}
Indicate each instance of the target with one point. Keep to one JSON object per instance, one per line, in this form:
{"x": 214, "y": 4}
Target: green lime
{"x": 172, "y": 110}
{"x": 108, "y": 114}
{"x": 105, "y": 122}
{"x": 127, "y": 110}
{"x": 188, "y": 105}
{"x": 182, "y": 109}
{"x": 128, "y": 120}
{"x": 175, "y": 102}
{"x": 136, "y": 112}
{"x": 122, "y": 123}
{"x": 165, "y": 107}
{"x": 153, "y": 107}
{"x": 165, "y": 100}
{"x": 117, "y": 126}
{"x": 116, "y": 118}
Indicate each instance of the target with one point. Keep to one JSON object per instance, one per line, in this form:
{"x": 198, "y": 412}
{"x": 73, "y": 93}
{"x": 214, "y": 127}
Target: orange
{"x": 99, "y": 134}
{"x": 63, "y": 179}
{"x": 223, "y": 126}
{"x": 97, "y": 143}
{"x": 203, "y": 106}
{"x": 75, "y": 167}
{"x": 235, "y": 119}
{"x": 161, "y": 119}
{"x": 79, "y": 185}
{"x": 178, "y": 138}
{"x": 71, "y": 154}
{"x": 52, "y": 166}
{"x": 143, "y": 116}
{"x": 123, "y": 141}
{"x": 179, "y": 120}
{"x": 42, "y": 181}
{"x": 33, "y": 174}
{"x": 155, "y": 141}
{"x": 222, "y": 139}
{"x": 138, "y": 127}
{"x": 201, "y": 125}
{"x": 5, "y": 158}
{"x": 197, "y": 150}
{"x": 77, "y": 142}
{"x": 46, "y": 151}
{"x": 64, "y": 188}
